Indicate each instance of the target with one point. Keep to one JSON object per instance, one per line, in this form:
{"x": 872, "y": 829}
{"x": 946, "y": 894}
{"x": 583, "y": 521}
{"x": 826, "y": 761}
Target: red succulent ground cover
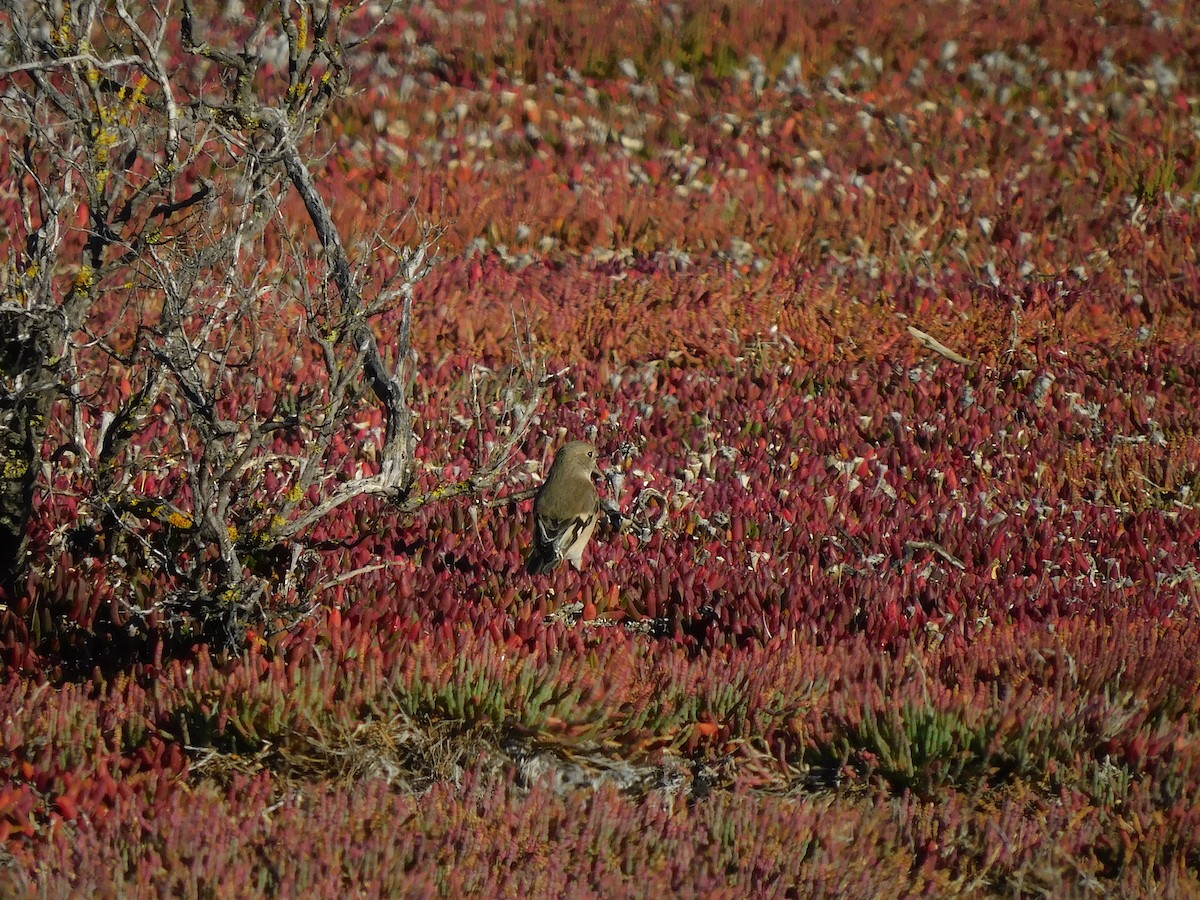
{"x": 911, "y": 625}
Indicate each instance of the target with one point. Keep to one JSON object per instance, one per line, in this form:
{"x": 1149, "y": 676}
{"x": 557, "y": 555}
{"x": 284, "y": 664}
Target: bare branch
{"x": 153, "y": 164}
{"x": 937, "y": 346}
{"x": 396, "y": 469}
{"x": 61, "y": 62}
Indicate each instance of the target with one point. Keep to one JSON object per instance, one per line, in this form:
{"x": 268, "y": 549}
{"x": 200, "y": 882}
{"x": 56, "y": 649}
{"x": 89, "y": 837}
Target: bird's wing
{"x": 561, "y": 534}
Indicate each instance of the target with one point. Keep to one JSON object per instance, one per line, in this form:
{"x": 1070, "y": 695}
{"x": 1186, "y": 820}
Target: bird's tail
{"x": 540, "y": 560}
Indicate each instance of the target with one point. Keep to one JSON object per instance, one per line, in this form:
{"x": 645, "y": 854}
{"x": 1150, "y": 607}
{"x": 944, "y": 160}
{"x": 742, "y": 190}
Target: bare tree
{"x": 156, "y": 158}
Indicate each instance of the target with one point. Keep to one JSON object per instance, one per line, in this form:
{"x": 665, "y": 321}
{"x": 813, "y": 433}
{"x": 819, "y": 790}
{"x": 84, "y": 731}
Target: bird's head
{"x": 578, "y": 456}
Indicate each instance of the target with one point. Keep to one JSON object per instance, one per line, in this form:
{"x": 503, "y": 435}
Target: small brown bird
{"x": 565, "y": 511}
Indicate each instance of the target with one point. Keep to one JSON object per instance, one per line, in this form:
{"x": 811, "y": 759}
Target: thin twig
{"x": 934, "y": 547}
{"x": 937, "y": 346}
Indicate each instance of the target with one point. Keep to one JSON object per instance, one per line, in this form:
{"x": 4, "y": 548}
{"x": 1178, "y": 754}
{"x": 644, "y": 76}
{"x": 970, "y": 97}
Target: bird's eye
{"x": 591, "y": 454}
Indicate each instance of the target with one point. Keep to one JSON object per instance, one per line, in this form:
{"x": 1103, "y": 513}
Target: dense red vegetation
{"x": 912, "y": 625}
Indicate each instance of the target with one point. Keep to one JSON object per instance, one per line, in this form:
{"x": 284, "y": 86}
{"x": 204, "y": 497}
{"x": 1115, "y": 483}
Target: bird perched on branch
{"x": 565, "y": 510}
